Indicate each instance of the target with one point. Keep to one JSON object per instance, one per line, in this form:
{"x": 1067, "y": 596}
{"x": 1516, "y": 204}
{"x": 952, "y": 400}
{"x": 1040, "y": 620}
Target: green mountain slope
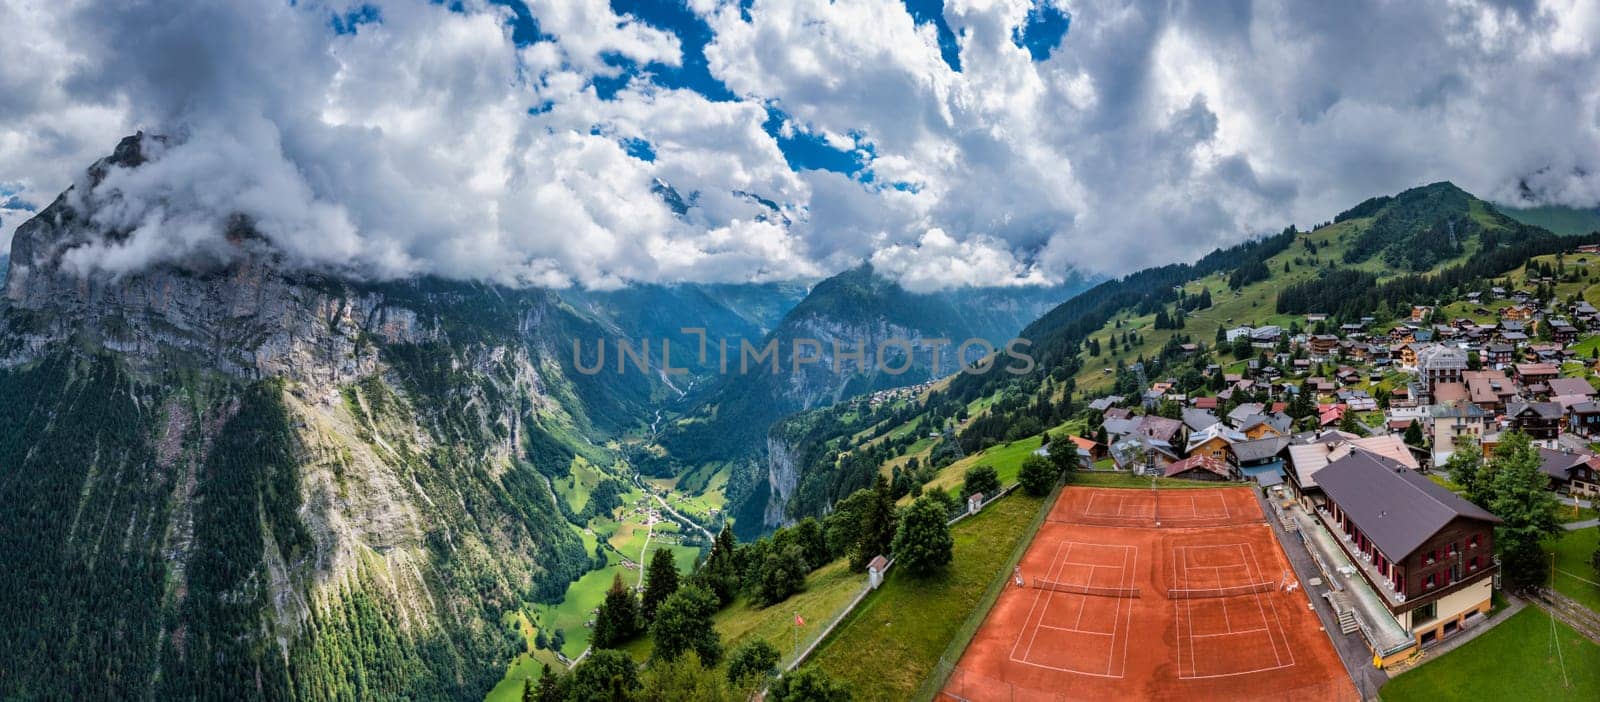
{"x": 1362, "y": 264}
{"x": 1563, "y": 221}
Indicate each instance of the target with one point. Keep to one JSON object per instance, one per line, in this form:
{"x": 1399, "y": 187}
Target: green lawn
{"x": 1128, "y": 480}
{"x": 1446, "y": 483}
{"x": 1572, "y": 551}
{"x": 1006, "y": 459}
{"x": 893, "y": 641}
{"x": 1511, "y": 662}
{"x": 827, "y": 591}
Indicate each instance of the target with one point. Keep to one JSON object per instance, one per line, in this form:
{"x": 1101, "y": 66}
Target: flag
{"x": 798, "y": 621}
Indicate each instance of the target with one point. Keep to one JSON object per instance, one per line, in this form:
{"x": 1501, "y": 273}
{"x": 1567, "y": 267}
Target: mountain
{"x": 242, "y": 481}
{"x": 860, "y": 312}
{"x": 1365, "y": 263}
{"x": 1563, "y": 221}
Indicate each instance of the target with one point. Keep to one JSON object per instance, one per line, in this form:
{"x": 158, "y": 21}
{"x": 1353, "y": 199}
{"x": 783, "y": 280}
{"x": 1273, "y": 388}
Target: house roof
{"x": 1397, "y": 508}
{"x": 1543, "y": 410}
{"x": 1160, "y": 427}
{"x": 878, "y": 563}
{"x": 1198, "y": 419}
{"x": 1310, "y": 458}
{"x": 1259, "y": 449}
{"x": 1570, "y": 386}
{"x": 1537, "y": 369}
{"x": 1202, "y": 462}
{"x": 1446, "y": 393}
{"x": 1556, "y": 463}
{"x": 1217, "y": 430}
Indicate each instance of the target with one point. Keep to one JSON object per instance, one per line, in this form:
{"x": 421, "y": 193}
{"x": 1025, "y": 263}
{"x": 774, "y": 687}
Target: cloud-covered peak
{"x": 594, "y": 143}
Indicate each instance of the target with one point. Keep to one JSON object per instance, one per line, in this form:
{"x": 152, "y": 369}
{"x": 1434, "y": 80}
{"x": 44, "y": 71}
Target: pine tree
{"x": 549, "y": 685}
{"x": 1520, "y": 496}
{"x": 683, "y": 623}
{"x": 1413, "y": 435}
{"x": 618, "y": 619}
{"x": 660, "y": 582}
{"x": 877, "y": 526}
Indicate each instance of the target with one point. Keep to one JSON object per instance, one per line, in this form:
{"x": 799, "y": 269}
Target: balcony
{"x": 1379, "y": 582}
{"x": 1373, "y": 611}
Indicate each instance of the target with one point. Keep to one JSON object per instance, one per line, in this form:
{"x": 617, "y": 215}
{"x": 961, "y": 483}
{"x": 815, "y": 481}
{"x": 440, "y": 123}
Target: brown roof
{"x": 1570, "y": 386}
{"x": 1446, "y": 393}
{"x": 878, "y": 563}
{"x": 1395, "y": 507}
{"x": 1199, "y": 461}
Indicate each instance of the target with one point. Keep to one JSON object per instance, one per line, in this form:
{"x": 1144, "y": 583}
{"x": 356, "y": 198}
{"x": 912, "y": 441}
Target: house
{"x": 1488, "y": 389}
{"x": 1427, "y": 553}
{"x": 1498, "y": 355}
{"x": 1584, "y": 419}
{"x": 1455, "y": 423}
{"x": 1265, "y": 336}
{"x": 1105, "y": 403}
{"x": 1143, "y": 455}
{"x": 1260, "y": 459}
{"x": 1570, "y": 387}
{"x": 1563, "y": 333}
{"x": 1309, "y": 455}
{"x": 1264, "y": 425}
{"x": 1088, "y": 450}
{"x": 1236, "y": 332}
{"x": 1205, "y": 403}
{"x": 1196, "y": 419}
{"x": 1531, "y": 373}
{"x": 1212, "y": 441}
{"x": 1439, "y": 364}
{"x": 1200, "y": 468}
{"x": 1322, "y": 345}
{"x": 1571, "y": 472}
{"x": 1541, "y": 421}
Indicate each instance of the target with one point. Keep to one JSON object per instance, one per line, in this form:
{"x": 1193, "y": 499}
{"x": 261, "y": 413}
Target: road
{"x": 709, "y": 536}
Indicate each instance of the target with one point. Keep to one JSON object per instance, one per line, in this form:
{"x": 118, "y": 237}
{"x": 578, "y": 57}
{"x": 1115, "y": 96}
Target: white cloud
{"x": 1155, "y": 132}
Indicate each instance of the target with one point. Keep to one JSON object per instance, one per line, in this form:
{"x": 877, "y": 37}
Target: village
{"x": 1349, "y": 428}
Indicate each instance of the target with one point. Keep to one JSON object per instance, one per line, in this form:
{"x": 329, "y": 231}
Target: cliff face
{"x": 232, "y": 480}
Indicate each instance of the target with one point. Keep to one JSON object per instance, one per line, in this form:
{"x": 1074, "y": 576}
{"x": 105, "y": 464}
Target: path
{"x": 1568, "y": 611}
{"x": 709, "y": 536}
{"x": 1585, "y": 524}
{"x": 1352, "y": 648}
{"x": 650, "y": 526}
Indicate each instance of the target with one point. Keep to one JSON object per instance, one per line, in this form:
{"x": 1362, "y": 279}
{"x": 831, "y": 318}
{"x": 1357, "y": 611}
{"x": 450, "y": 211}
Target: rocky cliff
{"x": 237, "y": 480}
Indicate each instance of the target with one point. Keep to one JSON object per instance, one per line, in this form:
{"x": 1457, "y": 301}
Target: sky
{"x": 600, "y": 143}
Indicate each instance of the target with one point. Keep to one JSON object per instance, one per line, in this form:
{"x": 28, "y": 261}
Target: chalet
{"x": 1420, "y": 312}
{"x": 1516, "y": 313}
{"x": 1498, "y": 355}
{"x": 1584, "y": 419}
{"x": 1569, "y": 471}
{"x": 1322, "y": 345}
{"x": 1265, "y": 425}
{"x": 1541, "y": 421}
{"x": 1408, "y": 355}
{"x": 1205, "y": 403}
{"x": 1313, "y": 317}
{"x": 1260, "y": 459}
{"x": 1563, "y": 333}
{"x": 1143, "y": 455}
{"x": 1265, "y": 336}
{"x": 1200, "y": 467}
{"x": 1105, "y": 403}
{"x": 1425, "y": 551}
{"x": 1244, "y": 411}
{"x": 1530, "y": 373}
{"x": 1212, "y": 441}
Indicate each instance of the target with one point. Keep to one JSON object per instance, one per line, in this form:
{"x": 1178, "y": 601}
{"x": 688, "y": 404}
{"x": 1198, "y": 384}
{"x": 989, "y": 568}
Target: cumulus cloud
{"x": 548, "y": 144}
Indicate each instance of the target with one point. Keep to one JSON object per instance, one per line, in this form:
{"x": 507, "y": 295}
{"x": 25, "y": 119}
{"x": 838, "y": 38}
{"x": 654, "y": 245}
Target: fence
{"x": 963, "y": 636}
{"x": 816, "y": 639}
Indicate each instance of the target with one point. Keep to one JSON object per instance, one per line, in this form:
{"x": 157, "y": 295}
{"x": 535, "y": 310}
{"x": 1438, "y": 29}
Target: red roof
{"x": 1205, "y": 402}
{"x": 1199, "y": 461}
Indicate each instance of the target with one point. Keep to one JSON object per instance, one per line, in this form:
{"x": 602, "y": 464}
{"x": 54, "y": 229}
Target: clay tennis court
{"x": 1204, "y": 606}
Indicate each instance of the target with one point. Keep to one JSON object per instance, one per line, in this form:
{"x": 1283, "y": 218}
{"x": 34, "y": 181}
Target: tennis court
{"x": 1136, "y": 611}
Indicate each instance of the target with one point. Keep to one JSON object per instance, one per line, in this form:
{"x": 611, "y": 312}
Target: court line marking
{"x": 1117, "y": 621}
{"x": 1268, "y": 627}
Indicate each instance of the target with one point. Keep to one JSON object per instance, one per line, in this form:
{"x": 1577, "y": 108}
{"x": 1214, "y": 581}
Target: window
{"x": 1473, "y": 542}
{"x": 1427, "y": 583}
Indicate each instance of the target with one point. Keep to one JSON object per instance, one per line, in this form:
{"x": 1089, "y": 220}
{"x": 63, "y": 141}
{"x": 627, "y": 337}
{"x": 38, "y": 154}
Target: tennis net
{"x": 1044, "y": 584}
{"x": 1195, "y": 593}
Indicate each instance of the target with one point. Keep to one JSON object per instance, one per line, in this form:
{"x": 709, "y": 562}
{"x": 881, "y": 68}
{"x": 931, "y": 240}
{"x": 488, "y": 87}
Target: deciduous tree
{"x": 923, "y": 545}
